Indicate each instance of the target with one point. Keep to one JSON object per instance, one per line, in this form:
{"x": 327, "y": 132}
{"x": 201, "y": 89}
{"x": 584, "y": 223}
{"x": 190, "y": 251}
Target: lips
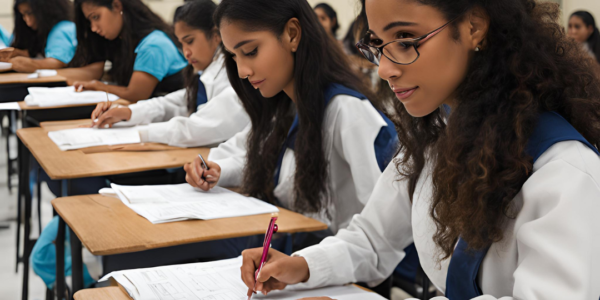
{"x": 257, "y": 83}
{"x": 404, "y": 93}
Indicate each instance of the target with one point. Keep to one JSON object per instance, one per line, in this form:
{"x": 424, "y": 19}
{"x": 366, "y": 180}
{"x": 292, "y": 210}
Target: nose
{"x": 388, "y": 70}
{"x": 187, "y": 53}
{"x": 95, "y": 28}
{"x": 244, "y": 71}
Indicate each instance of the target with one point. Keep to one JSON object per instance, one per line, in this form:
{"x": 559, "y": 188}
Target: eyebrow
{"x": 185, "y": 37}
{"x": 242, "y": 43}
{"x": 90, "y": 15}
{"x": 397, "y": 24}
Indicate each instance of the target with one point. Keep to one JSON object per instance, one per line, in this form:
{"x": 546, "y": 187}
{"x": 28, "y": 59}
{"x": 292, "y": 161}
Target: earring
{"x": 477, "y": 49}
{"x": 121, "y": 13}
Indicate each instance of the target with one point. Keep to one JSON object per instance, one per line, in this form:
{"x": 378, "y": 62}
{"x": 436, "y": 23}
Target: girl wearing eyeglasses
{"x": 316, "y": 144}
{"x": 497, "y": 178}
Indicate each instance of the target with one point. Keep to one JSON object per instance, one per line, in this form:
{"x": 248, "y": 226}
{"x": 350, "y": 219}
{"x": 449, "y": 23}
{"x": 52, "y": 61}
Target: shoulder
{"x": 574, "y": 154}
{"x": 155, "y": 40}
{"x": 348, "y": 109}
{"x": 64, "y": 28}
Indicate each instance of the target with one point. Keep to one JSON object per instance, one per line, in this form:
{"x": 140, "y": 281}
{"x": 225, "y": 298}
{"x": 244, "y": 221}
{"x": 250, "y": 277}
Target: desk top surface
{"x": 14, "y": 78}
{"x": 106, "y": 226}
{"x": 24, "y": 106}
{"x": 79, "y": 164}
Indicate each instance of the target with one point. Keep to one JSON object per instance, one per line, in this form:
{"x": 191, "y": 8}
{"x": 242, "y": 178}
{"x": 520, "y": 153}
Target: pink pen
{"x": 266, "y": 245}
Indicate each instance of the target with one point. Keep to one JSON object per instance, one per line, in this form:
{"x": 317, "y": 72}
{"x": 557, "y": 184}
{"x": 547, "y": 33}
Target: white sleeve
{"x": 372, "y": 245}
{"x": 216, "y": 121}
{"x": 158, "y": 109}
{"x": 231, "y": 157}
{"x": 356, "y": 128}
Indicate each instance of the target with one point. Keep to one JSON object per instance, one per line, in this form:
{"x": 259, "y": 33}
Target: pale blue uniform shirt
{"x": 62, "y": 42}
{"x": 158, "y": 56}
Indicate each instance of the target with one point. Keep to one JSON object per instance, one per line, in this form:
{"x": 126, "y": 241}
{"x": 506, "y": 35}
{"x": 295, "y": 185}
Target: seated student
{"x": 219, "y": 118}
{"x": 501, "y": 196}
{"x": 316, "y": 144}
{"x": 144, "y": 55}
{"x": 5, "y": 38}
{"x": 208, "y": 110}
{"x": 44, "y": 36}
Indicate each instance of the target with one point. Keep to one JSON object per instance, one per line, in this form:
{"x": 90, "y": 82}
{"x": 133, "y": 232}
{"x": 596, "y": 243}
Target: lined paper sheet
{"x": 177, "y": 202}
{"x": 56, "y": 96}
{"x": 218, "y": 280}
{"x": 78, "y": 138}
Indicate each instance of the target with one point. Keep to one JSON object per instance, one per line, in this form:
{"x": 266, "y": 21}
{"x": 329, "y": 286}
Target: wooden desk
{"x": 24, "y": 105}
{"x": 76, "y": 164}
{"x": 124, "y": 231}
{"x": 114, "y": 217}
{"x": 14, "y": 78}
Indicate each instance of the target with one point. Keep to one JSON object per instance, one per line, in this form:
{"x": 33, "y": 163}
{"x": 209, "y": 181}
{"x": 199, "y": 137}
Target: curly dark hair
{"x": 318, "y": 63}
{"x": 47, "y": 14}
{"x": 527, "y": 66}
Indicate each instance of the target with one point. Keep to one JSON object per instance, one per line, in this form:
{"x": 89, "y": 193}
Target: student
{"x": 582, "y": 29}
{"x": 208, "y": 110}
{"x": 307, "y": 109}
{"x": 328, "y": 18}
{"x": 487, "y": 222}
{"x": 44, "y": 36}
{"x": 5, "y": 38}
{"x": 143, "y": 52}
{"x": 216, "y": 120}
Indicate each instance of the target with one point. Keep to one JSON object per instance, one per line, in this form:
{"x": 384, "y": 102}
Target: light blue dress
{"x": 158, "y": 56}
{"x": 5, "y": 37}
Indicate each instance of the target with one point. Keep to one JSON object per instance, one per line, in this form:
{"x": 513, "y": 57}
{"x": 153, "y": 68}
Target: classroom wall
{"x": 346, "y": 10}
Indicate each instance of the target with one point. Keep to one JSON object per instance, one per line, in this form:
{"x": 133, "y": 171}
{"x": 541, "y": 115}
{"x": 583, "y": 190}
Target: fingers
{"x": 188, "y": 177}
{"x": 100, "y": 108}
{"x": 250, "y": 261}
{"x": 106, "y": 120}
{"x": 194, "y": 176}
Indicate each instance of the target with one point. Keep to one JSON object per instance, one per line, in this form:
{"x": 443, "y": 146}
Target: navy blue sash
{"x": 461, "y": 282}
{"x": 385, "y": 142}
{"x": 201, "y": 97}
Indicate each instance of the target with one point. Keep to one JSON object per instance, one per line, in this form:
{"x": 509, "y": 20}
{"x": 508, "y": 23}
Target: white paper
{"x": 78, "y": 138}
{"x": 56, "y": 96}
{"x": 4, "y": 66}
{"x": 42, "y": 73}
{"x": 10, "y": 106}
{"x": 177, "y": 202}
{"x": 218, "y": 280}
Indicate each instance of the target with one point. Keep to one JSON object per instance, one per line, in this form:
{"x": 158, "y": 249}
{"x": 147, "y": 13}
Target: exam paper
{"x": 218, "y": 280}
{"x": 4, "y": 66}
{"x": 56, "y": 96}
{"x": 10, "y": 106}
{"x": 177, "y": 202}
{"x": 78, "y": 138}
{"x": 42, "y": 73}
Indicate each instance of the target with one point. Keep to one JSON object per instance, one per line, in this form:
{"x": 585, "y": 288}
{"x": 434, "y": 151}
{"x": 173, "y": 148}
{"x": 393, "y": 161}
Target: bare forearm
{"x": 90, "y": 72}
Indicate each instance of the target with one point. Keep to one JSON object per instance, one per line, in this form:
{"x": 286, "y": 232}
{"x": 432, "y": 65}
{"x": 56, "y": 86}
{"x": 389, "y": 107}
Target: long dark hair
{"x": 138, "y": 22}
{"x": 199, "y": 15}
{"x": 318, "y": 63}
{"x": 47, "y": 14}
{"x": 330, "y": 12}
{"x": 594, "y": 40}
{"x": 527, "y": 66}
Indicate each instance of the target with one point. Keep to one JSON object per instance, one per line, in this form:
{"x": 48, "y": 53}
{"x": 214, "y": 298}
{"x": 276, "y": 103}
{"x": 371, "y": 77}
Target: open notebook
{"x": 177, "y": 202}
{"x": 56, "y": 96}
{"x": 218, "y": 280}
{"x": 77, "y": 138}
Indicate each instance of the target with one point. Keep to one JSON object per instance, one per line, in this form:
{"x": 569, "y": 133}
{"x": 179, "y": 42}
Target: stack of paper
{"x": 177, "y": 202}
{"x": 218, "y": 280}
{"x": 5, "y": 66}
{"x": 44, "y": 96}
{"x": 78, "y": 138}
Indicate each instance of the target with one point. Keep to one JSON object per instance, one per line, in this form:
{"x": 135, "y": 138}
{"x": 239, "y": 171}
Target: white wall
{"x": 570, "y": 6}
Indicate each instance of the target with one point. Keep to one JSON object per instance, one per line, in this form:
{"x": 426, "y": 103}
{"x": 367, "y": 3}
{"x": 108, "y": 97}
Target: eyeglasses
{"x": 402, "y": 51}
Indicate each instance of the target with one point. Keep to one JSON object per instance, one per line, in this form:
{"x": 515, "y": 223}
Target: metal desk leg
{"x": 27, "y": 242}
{"x": 60, "y": 259}
{"x": 76, "y": 262}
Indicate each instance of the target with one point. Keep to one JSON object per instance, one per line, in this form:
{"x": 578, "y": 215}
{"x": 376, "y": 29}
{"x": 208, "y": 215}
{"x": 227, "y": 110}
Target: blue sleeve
{"x": 62, "y": 42}
{"x": 5, "y": 37}
{"x": 158, "y": 56}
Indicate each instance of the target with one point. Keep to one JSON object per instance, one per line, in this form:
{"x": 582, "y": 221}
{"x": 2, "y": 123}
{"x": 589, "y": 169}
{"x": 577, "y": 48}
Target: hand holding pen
{"x": 202, "y": 174}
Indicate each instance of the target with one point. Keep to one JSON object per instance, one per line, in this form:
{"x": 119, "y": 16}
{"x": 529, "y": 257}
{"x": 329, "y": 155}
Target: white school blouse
{"x": 350, "y": 128}
{"x": 550, "y": 251}
{"x": 220, "y": 118}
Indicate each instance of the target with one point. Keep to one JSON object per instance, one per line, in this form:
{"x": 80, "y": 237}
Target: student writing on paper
{"x": 140, "y": 45}
{"x": 207, "y": 111}
{"x": 500, "y": 189}
{"x": 317, "y": 142}
{"x": 44, "y": 35}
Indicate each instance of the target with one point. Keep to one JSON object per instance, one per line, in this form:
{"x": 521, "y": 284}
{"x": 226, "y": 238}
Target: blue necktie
{"x": 201, "y": 97}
